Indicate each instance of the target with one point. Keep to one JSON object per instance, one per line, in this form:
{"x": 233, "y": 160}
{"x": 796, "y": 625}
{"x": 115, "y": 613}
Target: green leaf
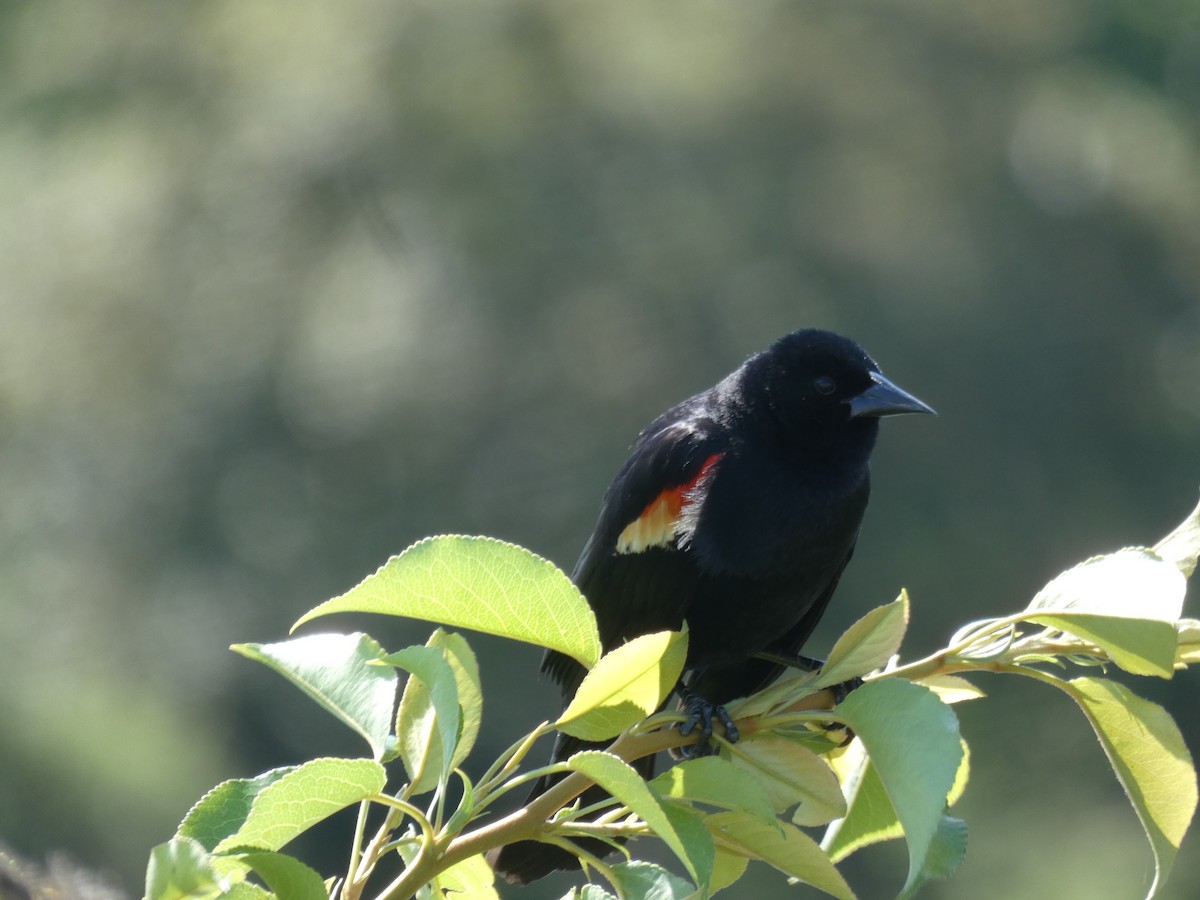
{"x": 1139, "y": 646}
{"x": 470, "y": 690}
{"x": 785, "y": 691}
{"x": 1134, "y": 583}
{"x": 466, "y": 807}
{"x": 1188, "y": 649}
{"x": 409, "y": 845}
{"x": 303, "y": 797}
{"x": 223, "y": 810}
{"x": 792, "y": 775}
{"x": 286, "y": 876}
{"x": 646, "y": 881}
{"x": 961, "y": 777}
{"x": 588, "y": 892}
{"x": 948, "y": 850}
{"x": 482, "y": 584}
{"x": 1182, "y": 546}
{"x": 781, "y": 845}
{"x": 180, "y": 869}
{"x": 244, "y": 890}
{"x": 336, "y": 671}
{"x": 1150, "y": 759}
{"x": 868, "y": 644}
{"x": 688, "y": 826}
{"x": 951, "y": 688}
{"x": 626, "y": 685}
{"x": 871, "y": 817}
{"x": 728, "y": 867}
{"x": 669, "y": 823}
{"x": 428, "y": 720}
{"x": 472, "y": 878}
{"x": 946, "y": 853}
{"x": 915, "y": 747}
{"x": 716, "y": 782}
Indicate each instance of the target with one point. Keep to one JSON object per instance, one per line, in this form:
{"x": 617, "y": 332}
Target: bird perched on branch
{"x": 736, "y": 511}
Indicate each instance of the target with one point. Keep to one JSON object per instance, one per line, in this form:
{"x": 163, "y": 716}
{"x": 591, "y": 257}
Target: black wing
{"x": 632, "y": 570}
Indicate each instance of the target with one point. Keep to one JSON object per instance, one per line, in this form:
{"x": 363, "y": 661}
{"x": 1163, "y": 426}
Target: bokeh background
{"x": 286, "y": 287}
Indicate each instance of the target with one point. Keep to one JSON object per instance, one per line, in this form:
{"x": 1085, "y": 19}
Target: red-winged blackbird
{"x": 736, "y": 511}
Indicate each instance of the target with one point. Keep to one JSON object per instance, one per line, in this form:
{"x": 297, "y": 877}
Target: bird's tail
{"x": 527, "y": 861}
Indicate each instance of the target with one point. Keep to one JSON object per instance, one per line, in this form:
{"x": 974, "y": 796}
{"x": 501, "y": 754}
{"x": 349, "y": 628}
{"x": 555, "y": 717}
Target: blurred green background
{"x": 285, "y": 287}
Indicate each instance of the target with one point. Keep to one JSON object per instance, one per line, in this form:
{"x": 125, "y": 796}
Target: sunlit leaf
{"x": 792, "y": 775}
{"x": 428, "y": 719}
{"x": 466, "y": 806}
{"x": 301, "y": 798}
{"x": 915, "y": 748}
{"x": 1150, "y": 759}
{"x": 223, "y": 810}
{"x": 1135, "y": 583}
{"x": 673, "y": 828}
{"x": 244, "y": 890}
{"x": 952, "y": 688}
{"x": 728, "y": 867}
{"x": 180, "y": 869}
{"x": 470, "y": 691}
{"x": 786, "y": 690}
{"x": 961, "y": 777}
{"x": 482, "y": 584}
{"x": 472, "y": 878}
{"x": 286, "y": 876}
{"x": 626, "y": 685}
{"x": 1182, "y": 546}
{"x": 1139, "y": 646}
{"x": 1188, "y": 649}
{"x": 589, "y": 892}
{"x": 868, "y": 644}
{"x": 870, "y": 817}
{"x": 336, "y": 671}
{"x": 781, "y": 845}
{"x": 716, "y": 782}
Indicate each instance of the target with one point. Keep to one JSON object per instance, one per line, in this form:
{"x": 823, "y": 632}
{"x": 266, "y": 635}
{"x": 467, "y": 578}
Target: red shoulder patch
{"x": 659, "y": 523}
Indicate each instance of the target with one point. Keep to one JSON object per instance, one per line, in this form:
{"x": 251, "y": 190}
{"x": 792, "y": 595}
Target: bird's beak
{"x": 885, "y": 399}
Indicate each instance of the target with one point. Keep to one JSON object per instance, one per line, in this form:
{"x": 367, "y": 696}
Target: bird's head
{"x": 823, "y": 389}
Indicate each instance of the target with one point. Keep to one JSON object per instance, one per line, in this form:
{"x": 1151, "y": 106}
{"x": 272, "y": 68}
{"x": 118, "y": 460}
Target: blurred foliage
{"x": 286, "y": 287}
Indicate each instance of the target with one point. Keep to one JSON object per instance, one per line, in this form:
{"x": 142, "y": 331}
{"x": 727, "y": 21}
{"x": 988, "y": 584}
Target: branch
{"x": 529, "y": 822}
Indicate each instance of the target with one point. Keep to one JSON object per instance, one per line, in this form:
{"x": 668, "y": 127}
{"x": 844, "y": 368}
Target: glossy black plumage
{"x": 736, "y": 510}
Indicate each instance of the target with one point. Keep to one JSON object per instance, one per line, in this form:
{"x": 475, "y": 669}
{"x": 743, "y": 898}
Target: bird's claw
{"x": 731, "y": 732}
{"x": 842, "y": 689}
{"x": 701, "y": 712}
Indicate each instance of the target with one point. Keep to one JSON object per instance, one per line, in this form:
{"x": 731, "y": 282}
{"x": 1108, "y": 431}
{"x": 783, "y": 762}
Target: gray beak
{"x": 883, "y": 398}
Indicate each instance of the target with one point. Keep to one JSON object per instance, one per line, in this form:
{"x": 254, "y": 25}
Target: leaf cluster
{"x": 888, "y": 761}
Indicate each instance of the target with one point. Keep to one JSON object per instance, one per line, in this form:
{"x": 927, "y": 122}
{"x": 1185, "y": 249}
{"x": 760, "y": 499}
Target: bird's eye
{"x": 825, "y": 385}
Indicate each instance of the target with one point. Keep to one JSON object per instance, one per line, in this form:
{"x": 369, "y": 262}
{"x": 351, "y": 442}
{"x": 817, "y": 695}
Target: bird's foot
{"x": 842, "y": 690}
{"x": 700, "y": 712}
{"x": 841, "y": 734}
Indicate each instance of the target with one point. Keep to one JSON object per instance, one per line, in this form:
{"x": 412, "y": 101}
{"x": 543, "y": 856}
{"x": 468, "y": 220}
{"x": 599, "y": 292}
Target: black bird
{"x": 737, "y": 511}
